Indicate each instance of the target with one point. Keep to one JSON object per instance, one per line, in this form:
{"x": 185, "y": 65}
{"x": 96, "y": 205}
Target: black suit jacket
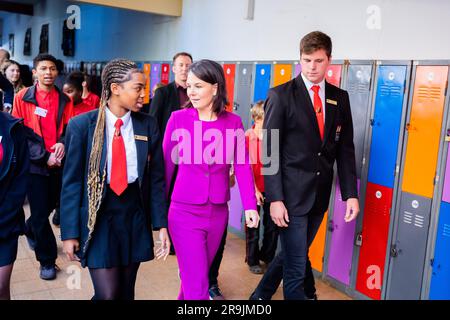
{"x": 165, "y": 101}
{"x": 74, "y": 202}
{"x": 305, "y": 172}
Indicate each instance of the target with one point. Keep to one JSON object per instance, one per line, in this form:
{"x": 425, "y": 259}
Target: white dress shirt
{"x": 130, "y": 145}
{"x": 321, "y": 85}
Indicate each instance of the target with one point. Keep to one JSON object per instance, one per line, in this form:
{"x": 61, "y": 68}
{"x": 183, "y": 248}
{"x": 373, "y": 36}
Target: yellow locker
{"x": 281, "y": 73}
{"x": 424, "y": 129}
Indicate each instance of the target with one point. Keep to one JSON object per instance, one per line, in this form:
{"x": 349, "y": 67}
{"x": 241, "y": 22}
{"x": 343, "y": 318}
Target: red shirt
{"x": 82, "y": 108}
{"x": 93, "y": 100}
{"x": 48, "y": 101}
{"x": 254, "y": 147}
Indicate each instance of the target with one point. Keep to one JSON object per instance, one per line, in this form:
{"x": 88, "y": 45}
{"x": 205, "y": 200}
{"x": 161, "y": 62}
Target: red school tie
{"x": 119, "y": 180}
{"x": 318, "y": 108}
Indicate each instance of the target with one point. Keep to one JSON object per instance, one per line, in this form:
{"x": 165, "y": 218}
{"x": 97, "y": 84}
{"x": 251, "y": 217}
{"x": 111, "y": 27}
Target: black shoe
{"x": 256, "y": 269}
{"x": 48, "y": 272}
{"x": 313, "y": 297}
{"x": 55, "y": 219}
{"x": 215, "y": 293}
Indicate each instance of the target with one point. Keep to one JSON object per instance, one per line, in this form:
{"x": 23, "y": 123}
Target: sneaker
{"x": 256, "y": 269}
{"x": 215, "y": 293}
{"x": 48, "y": 272}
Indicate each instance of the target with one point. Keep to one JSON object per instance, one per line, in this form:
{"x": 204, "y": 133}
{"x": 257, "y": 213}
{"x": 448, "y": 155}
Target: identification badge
{"x": 141, "y": 138}
{"x": 338, "y": 133}
{"x": 41, "y": 112}
{"x": 333, "y": 102}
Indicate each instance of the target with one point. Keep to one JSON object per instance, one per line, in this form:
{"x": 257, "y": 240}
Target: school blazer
{"x": 305, "y": 173}
{"x": 200, "y": 183}
{"x": 74, "y": 202}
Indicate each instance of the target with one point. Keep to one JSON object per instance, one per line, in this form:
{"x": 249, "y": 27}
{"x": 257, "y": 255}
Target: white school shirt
{"x": 321, "y": 85}
{"x": 130, "y": 145}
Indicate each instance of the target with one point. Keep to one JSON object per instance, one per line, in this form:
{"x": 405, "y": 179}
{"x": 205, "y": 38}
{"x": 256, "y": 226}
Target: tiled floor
{"x": 156, "y": 279}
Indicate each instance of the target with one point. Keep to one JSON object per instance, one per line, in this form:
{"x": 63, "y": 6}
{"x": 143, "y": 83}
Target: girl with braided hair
{"x": 107, "y": 212}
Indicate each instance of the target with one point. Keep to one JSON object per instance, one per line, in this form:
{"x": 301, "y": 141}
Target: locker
{"x": 446, "y": 191}
{"x": 358, "y": 87}
{"x": 386, "y": 124}
{"x": 230, "y": 70}
{"x": 262, "y": 82}
{"x": 424, "y": 130}
{"x": 281, "y": 73}
{"x": 374, "y": 237}
{"x": 440, "y": 277}
{"x": 236, "y": 209}
{"x": 298, "y": 69}
{"x": 243, "y": 97}
{"x": 408, "y": 250}
{"x": 147, "y": 68}
{"x": 165, "y": 73}
{"x": 342, "y": 237}
{"x": 333, "y": 75}
{"x": 155, "y": 76}
{"x": 317, "y": 248}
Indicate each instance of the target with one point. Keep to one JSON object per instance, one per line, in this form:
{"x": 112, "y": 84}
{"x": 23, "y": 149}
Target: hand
{"x": 69, "y": 247}
{"x": 279, "y": 213}
{"x": 59, "y": 151}
{"x": 52, "y": 161}
{"x": 251, "y": 218}
{"x": 352, "y": 209}
{"x": 259, "y": 197}
{"x": 164, "y": 247}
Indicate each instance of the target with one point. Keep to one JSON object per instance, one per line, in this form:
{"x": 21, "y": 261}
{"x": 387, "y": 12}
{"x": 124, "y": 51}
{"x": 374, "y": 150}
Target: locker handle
{"x": 331, "y": 226}
{"x": 394, "y": 251}
{"x": 235, "y": 105}
{"x": 358, "y": 239}
{"x": 372, "y": 122}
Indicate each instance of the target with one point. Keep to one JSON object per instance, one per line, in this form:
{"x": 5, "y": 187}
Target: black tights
{"x": 114, "y": 283}
{"x": 5, "y": 280}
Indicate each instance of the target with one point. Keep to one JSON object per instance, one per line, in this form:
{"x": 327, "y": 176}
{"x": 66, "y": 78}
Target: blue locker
{"x": 386, "y": 124}
{"x": 440, "y": 277}
{"x": 140, "y": 65}
{"x": 262, "y": 82}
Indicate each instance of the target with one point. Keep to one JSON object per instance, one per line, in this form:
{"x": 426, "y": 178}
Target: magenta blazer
{"x": 204, "y": 163}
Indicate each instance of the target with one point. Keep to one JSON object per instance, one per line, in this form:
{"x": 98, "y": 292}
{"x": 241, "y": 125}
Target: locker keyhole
{"x": 394, "y": 251}
{"x": 331, "y": 226}
{"x": 235, "y": 105}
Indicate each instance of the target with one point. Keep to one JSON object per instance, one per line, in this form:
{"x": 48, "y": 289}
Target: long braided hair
{"x": 116, "y": 71}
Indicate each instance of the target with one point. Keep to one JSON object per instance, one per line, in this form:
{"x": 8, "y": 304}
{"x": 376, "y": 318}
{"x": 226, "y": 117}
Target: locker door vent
{"x": 430, "y": 93}
{"x": 393, "y": 91}
{"x": 419, "y": 221}
{"x": 407, "y": 217}
{"x": 446, "y": 231}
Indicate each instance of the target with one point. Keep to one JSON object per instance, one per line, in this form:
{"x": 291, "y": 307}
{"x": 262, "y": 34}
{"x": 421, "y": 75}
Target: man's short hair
{"x": 182, "y": 54}
{"x": 314, "y": 41}
{"x": 43, "y": 57}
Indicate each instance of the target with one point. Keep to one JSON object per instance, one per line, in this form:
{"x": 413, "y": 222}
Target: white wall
{"x": 216, "y": 29}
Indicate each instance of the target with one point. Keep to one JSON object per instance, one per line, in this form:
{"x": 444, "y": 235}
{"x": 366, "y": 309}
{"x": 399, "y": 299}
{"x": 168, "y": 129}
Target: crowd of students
{"x": 113, "y": 174}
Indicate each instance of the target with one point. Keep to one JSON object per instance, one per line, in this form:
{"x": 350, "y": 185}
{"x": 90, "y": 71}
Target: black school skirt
{"x": 122, "y": 233}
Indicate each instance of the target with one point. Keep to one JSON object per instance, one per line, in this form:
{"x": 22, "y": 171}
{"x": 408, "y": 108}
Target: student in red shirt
{"x": 74, "y": 89}
{"x": 46, "y": 112}
{"x": 89, "y": 98}
{"x": 255, "y": 254}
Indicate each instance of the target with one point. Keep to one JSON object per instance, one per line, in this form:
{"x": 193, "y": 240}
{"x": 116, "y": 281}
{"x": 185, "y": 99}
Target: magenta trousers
{"x": 196, "y": 232}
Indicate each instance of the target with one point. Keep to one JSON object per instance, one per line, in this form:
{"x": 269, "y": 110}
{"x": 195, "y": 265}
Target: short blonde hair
{"x": 257, "y": 111}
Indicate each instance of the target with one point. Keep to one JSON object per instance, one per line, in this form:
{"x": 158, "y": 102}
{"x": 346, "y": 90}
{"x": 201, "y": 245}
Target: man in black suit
{"x": 314, "y": 123}
{"x": 173, "y": 96}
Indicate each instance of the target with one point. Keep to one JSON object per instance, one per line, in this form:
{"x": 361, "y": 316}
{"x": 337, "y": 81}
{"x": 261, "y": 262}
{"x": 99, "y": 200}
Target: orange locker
{"x": 230, "y": 71}
{"x": 281, "y": 73}
{"x": 317, "y": 248}
{"x": 147, "y": 68}
{"x": 424, "y": 129}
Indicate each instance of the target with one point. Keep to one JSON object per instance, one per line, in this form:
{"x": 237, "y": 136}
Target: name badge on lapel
{"x": 41, "y": 112}
{"x": 140, "y": 138}
{"x": 333, "y": 102}
{"x": 338, "y": 133}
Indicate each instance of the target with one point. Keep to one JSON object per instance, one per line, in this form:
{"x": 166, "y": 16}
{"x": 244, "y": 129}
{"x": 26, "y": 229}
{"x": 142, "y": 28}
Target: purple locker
{"x": 155, "y": 76}
{"x": 342, "y": 238}
{"x": 446, "y": 192}
{"x": 235, "y": 208}
{"x": 298, "y": 69}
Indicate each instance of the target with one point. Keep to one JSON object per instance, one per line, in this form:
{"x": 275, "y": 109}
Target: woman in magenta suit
{"x": 203, "y": 140}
